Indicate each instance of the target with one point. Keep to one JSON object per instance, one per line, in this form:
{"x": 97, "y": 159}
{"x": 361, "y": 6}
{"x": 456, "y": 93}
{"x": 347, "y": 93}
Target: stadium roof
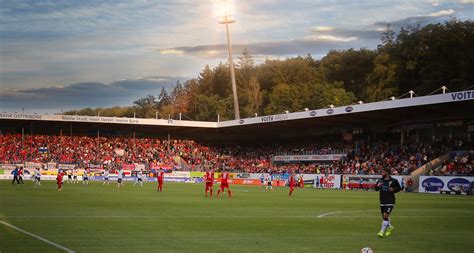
{"x": 414, "y": 112}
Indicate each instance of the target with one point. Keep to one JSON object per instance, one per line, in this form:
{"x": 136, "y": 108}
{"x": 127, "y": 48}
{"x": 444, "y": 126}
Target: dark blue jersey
{"x": 387, "y": 196}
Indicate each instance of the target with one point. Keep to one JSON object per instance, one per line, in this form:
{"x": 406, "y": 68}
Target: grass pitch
{"x": 97, "y": 218}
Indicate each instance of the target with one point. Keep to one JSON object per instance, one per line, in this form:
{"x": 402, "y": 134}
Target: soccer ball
{"x": 366, "y": 250}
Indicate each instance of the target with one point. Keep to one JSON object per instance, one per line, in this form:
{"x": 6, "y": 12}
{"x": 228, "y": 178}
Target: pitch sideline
{"x": 361, "y": 211}
{"x": 37, "y": 237}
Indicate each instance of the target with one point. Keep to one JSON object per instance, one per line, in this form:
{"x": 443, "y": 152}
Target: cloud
{"x": 435, "y": 17}
{"x": 434, "y": 2}
{"x": 320, "y": 39}
{"x": 51, "y": 43}
{"x": 315, "y": 45}
{"x": 81, "y": 95}
{"x": 332, "y": 38}
{"x": 442, "y": 13}
{"x": 321, "y": 28}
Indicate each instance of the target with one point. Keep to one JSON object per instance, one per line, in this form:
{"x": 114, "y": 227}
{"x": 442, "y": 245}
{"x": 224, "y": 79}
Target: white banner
{"x": 29, "y": 165}
{"x": 327, "y": 181}
{"x": 297, "y": 158}
{"x": 67, "y": 166}
{"x": 183, "y": 174}
{"x": 9, "y": 166}
{"x": 110, "y": 120}
{"x": 51, "y": 165}
{"x": 434, "y": 184}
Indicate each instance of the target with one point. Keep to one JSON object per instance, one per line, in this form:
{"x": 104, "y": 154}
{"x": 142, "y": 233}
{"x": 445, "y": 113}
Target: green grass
{"x": 98, "y": 218}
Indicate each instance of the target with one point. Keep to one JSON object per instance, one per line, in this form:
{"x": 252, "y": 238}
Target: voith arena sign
{"x": 463, "y": 95}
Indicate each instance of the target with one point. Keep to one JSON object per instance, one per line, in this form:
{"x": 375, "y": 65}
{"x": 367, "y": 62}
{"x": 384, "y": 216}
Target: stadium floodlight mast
{"x": 225, "y": 17}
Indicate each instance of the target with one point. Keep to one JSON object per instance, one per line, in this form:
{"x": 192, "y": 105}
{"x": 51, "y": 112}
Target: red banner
{"x": 129, "y": 166}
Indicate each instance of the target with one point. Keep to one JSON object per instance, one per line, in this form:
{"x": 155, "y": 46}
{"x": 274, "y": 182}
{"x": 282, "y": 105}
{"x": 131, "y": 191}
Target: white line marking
{"x": 231, "y": 217}
{"x": 361, "y": 211}
{"x": 331, "y": 213}
{"x": 37, "y": 237}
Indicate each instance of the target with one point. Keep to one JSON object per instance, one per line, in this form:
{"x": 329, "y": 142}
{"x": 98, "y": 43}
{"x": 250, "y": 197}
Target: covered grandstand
{"x": 423, "y": 118}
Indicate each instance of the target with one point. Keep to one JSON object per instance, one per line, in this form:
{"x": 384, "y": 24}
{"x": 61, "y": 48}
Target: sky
{"x": 60, "y": 55}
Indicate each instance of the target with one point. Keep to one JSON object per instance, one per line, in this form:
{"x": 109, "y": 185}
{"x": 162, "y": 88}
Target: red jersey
{"x": 209, "y": 177}
{"x": 224, "y": 177}
{"x": 160, "y": 176}
{"x": 60, "y": 177}
{"x": 292, "y": 181}
{"x": 20, "y": 172}
{"x": 301, "y": 181}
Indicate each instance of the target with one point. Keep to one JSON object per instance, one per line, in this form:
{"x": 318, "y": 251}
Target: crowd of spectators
{"x": 361, "y": 159}
{"x": 459, "y": 163}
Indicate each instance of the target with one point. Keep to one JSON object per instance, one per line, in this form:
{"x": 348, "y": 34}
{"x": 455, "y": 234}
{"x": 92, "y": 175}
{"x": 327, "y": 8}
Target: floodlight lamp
{"x": 224, "y": 10}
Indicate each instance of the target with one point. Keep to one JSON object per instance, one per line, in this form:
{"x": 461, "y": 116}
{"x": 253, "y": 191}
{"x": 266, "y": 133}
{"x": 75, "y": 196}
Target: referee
{"x": 387, "y": 186}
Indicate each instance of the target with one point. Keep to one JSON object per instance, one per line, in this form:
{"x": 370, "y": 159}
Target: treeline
{"x": 421, "y": 59}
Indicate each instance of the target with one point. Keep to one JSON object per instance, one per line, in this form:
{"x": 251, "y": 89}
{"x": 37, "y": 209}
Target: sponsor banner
{"x": 166, "y": 169}
{"x": 139, "y": 166}
{"x": 158, "y": 167}
{"x": 128, "y": 166}
{"x": 327, "y": 181}
{"x": 272, "y": 118}
{"x": 178, "y": 179}
{"x": 110, "y": 120}
{"x": 9, "y": 166}
{"x": 298, "y": 158}
{"x": 197, "y": 174}
{"x": 29, "y": 165}
{"x": 66, "y": 166}
{"x": 29, "y": 178}
{"x": 434, "y": 184}
{"x": 249, "y": 182}
{"x": 367, "y": 181}
{"x": 232, "y": 181}
{"x": 51, "y": 166}
{"x": 245, "y": 181}
{"x": 366, "y": 107}
{"x": 183, "y": 174}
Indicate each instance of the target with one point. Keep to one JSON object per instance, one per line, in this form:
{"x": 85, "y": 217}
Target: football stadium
{"x": 355, "y": 150}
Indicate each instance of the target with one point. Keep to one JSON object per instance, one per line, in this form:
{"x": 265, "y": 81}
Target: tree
{"x": 388, "y": 36}
{"x": 205, "y": 80}
{"x": 325, "y": 94}
{"x": 382, "y": 82}
{"x": 146, "y": 107}
{"x": 349, "y": 67}
{"x": 163, "y": 98}
{"x": 246, "y": 61}
{"x": 253, "y": 98}
{"x": 282, "y": 98}
{"x": 180, "y": 98}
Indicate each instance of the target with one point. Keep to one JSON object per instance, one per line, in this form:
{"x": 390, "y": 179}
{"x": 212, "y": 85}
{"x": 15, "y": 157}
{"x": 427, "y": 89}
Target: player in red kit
{"x": 224, "y": 184}
{"x": 209, "y": 179}
{"x": 301, "y": 182}
{"x": 292, "y": 183}
{"x": 59, "y": 180}
{"x": 160, "y": 176}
